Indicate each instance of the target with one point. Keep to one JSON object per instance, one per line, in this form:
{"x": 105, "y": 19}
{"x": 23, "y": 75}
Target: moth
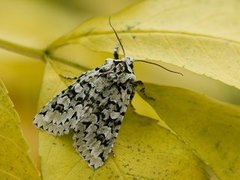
{"x": 93, "y": 107}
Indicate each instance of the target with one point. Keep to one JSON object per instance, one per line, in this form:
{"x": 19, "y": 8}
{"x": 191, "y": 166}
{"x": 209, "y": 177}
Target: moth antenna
{"x": 116, "y": 48}
{"x": 139, "y": 60}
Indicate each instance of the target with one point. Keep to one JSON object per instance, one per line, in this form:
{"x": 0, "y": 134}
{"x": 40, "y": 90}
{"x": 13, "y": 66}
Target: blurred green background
{"x": 36, "y": 23}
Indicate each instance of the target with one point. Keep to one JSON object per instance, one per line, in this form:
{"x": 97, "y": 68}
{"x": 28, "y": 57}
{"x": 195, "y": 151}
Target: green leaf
{"x": 201, "y": 36}
{"x": 14, "y": 159}
{"x": 143, "y": 149}
{"x": 211, "y": 128}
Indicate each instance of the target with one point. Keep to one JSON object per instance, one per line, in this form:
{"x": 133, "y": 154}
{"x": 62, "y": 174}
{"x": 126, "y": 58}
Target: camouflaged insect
{"x": 93, "y": 108}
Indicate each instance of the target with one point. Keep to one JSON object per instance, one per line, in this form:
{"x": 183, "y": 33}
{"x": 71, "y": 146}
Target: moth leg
{"x": 142, "y": 90}
{"x": 131, "y": 98}
{"x": 113, "y": 154}
{"x": 68, "y": 78}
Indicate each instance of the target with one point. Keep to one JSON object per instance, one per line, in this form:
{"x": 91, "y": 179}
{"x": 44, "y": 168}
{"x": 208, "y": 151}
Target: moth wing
{"x": 58, "y": 115}
{"x": 95, "y": 134}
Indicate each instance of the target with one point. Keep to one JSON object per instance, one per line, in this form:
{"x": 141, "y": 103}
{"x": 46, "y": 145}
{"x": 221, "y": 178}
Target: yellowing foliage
{"x": 202, "y": 139}
{"x": 143, "y": 149}
{"x": 210, "y": 128}
{"x": 14, "y": 159}
{"x": 200, "y": 36}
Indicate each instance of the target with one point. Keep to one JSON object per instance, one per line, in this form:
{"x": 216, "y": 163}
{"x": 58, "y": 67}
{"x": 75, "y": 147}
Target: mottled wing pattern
{"x": 93, "y": 107}
{"x": 95, "y": 134}
{"x": 64, "y": 110}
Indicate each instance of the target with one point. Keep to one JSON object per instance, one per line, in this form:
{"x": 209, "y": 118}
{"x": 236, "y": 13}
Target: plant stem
{"x": 64, "y": 61}
{"x": 26, "y": 51}
{"x": 36, "y": 53}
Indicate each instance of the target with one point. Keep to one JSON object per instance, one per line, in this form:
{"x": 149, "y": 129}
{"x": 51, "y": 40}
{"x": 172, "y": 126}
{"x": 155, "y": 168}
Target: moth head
{"x": 129, "y": 62}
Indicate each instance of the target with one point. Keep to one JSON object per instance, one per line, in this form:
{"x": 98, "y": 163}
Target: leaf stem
{"x": 23, "y": 50}
{"x": 40, "y": 54}
{"x": 64, "y": 61}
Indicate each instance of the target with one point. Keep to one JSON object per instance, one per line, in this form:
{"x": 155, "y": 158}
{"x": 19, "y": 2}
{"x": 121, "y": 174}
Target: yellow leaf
{"x": 211, "y": 128}
{"x": 142, "y": 150}
{"x": 201, "y": 36}
{"x": 14, "y": 159}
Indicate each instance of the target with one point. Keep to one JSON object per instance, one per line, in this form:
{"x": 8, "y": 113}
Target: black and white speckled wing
{"x": 95, "y": 134}
{"x": 93, "y": 107}
{"x": 59, "y": 114}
